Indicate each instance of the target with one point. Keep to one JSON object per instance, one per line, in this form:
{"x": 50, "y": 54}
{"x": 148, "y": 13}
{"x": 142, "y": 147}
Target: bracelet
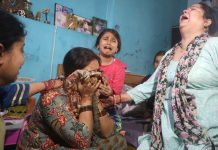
{"x": 85, "y": 108}
{"x": 49, "y": 84}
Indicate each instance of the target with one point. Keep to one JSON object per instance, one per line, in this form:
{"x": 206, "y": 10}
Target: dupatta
{"x": 183, "y": 104}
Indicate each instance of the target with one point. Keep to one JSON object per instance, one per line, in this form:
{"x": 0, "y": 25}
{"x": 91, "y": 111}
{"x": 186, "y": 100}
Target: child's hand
{"x": 105, "y": 90}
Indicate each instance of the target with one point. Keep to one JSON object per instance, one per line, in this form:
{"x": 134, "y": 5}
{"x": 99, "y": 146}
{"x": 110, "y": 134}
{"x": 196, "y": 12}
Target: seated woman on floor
{"x": 71, "y": 117}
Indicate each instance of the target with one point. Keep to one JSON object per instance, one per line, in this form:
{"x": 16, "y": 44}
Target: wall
{"x": 46, "y": 44}
{"x": 190, "y": 2}
{"x": 145, "y": 27}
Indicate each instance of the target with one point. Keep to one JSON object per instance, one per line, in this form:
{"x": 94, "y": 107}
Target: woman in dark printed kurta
{"x": 57, "y": 123}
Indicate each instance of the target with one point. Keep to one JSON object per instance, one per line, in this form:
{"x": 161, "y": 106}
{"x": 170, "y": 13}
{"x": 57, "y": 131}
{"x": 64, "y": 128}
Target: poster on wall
{"x": 61, "y": 15}
{"x": 98, "y": 25}
{"x": 84, "y": 25}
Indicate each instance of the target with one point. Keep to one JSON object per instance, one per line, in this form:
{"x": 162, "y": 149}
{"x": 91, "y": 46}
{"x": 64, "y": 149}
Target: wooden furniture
{"x": 133, "y": 79}
{"x": 60, "y": 70}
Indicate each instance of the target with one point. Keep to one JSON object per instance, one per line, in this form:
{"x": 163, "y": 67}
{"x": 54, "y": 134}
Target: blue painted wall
{"x": 144, "y": 25}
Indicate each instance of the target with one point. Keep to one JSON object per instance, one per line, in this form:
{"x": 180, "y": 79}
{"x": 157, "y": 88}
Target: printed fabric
{"x": 54, "y": 122}
{"x": 183, "y": 103}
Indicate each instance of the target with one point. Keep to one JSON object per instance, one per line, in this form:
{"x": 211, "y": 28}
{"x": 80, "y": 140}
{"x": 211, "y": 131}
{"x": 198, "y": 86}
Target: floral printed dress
{"x": 54, "y": 125}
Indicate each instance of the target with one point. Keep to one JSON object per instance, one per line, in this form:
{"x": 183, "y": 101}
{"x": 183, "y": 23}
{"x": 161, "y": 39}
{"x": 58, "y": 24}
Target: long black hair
{"x": 78, "y": 58}
{"x": 11, "y": 29}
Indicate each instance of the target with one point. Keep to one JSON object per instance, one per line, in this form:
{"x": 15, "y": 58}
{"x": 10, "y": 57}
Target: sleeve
{"x": 57, "y": 115}
{"x": 213, "y": 49}
{"x": 145, "y": 90}
{"x": 14, "y": 94}
{"x": 119, "y": 78}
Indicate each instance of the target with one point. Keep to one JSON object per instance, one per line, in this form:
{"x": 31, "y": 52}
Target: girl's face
{"x": 108, "y": 45}
{"x": 12, "y": 61}
{"x": 193, "y": 19}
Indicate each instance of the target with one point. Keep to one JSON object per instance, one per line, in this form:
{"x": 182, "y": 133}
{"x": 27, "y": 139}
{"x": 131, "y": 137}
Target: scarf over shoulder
{"x": 183, "y": 105}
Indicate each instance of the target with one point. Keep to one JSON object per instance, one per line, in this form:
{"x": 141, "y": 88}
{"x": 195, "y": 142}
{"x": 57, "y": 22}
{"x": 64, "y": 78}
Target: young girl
{"x": 109, "y": 43}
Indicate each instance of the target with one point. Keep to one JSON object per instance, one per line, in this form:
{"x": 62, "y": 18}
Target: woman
{"x": 72, "y": 117}
{"x": 185, "y": 86}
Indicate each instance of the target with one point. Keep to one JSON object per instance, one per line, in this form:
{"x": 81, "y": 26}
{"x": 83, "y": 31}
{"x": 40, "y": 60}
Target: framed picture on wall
{"x": 72, "y": 22}
{"x": 83, "y": 24}
{"x": 98, "y": 25}
{"x": 61, "y": 15}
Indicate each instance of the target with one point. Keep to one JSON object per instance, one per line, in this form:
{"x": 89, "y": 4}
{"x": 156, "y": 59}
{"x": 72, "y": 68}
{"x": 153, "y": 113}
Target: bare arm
{"x": 40, "y": 86}
{"x": 106, "y": 122}
{"x": 86, "y": 117}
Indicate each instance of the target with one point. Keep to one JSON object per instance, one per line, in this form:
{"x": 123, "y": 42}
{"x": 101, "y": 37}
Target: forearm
{"x": 125, "y": 98}
{"x": 46, "y": 85}
{"x": 107, "y": 125}
{"x": 35, "y": 88}
{"x": 86, "y": 117}
{"x": 106, "y": 122}
{"x": 122, "y": 98}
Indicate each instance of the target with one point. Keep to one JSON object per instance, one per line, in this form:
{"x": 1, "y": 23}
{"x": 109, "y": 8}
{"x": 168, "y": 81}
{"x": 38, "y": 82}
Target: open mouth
{"x": 184, "y": 17}
{"x": 107, "y": 47}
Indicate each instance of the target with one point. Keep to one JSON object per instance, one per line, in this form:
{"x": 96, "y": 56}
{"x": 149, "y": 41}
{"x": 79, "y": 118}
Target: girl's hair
{"x": 11, "y": 30}
{"x": 114, "y": 32}
{"x": 78, "y": 58}
{"x": 210, "y": 13}
{"x": 159, "y": 53}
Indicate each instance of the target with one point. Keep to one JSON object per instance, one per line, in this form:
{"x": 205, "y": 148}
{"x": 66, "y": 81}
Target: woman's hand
{"x": 112, "y": 100}
{"x": 88, "y": 86}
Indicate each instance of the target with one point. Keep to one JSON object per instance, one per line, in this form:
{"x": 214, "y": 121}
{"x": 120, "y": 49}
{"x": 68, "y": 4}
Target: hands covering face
{"x": 92, "y": 83}
{"x": 88, "y": 84}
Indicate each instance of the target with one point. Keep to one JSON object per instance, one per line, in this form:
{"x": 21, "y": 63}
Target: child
{"x": 109, "y": 43}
